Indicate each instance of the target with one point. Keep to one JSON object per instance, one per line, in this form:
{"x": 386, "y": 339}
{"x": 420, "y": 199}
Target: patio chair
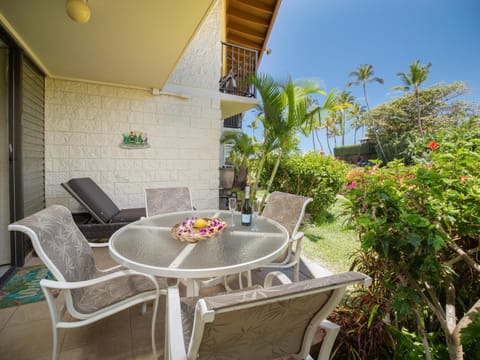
{"x": 288, "y": 210}
{"x": 89, "y": 294}
{"x": 169, "y": 199}
{"x": 106, "y": 217}
{"x": 268, "y": 323}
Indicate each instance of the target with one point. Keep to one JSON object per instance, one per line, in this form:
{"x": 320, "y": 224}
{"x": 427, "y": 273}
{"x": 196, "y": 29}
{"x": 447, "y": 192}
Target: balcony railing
{"x": 233, "y": 122}
{"x": 238, "y": 63}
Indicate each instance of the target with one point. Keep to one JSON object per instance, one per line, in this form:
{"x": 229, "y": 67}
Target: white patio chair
{"x": 169, "y": 199}
{"x": 288, "y": 210}
{"x": 89, "y": 294}
{"x": 260, "y": 324}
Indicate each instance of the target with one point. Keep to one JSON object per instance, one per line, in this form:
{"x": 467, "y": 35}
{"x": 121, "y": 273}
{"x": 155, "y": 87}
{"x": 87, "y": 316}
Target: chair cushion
{"x": 94, "y": 197}
{"x": 128, "y": 215}
{"x": 93, "y": 298}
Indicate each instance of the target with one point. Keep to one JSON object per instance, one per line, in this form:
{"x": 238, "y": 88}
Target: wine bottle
{"x": 247, "y": 208}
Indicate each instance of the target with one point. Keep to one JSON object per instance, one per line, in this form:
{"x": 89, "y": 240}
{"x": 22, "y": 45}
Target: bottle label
{"x": 246, "y": 219}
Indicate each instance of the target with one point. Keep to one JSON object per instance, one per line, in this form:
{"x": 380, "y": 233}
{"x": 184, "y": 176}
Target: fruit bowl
{"x": 194, "y": 229}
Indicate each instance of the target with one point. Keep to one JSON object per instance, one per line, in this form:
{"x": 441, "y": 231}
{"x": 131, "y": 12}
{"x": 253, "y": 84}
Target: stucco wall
{"x": 84, "y": 123}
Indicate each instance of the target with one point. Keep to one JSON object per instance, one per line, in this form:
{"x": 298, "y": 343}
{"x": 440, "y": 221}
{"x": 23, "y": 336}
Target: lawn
{"x": 330, "y": 244}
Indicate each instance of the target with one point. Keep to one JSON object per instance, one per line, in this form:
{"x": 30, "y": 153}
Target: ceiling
{"x": 133, "y": 43}
{"x": 125, "y": 42}
{"x": 249, "y": 22}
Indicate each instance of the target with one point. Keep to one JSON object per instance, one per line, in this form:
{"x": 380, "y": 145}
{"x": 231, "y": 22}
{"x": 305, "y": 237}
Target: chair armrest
{"x": 284, "y": 279}
{"x": 98, "y": 245}
{"x": 174, "y": 343}
{"x": 54, "y": 284}
{"x": 331, "y": 332}
{"x": 297, "y": 236}
{"x": 110, "y": 269}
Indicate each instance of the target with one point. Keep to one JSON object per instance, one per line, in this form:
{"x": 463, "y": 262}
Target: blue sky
{"x": 325, "y": 40}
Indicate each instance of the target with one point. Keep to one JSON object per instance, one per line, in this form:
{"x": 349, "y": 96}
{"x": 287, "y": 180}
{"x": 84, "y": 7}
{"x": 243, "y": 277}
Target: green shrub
{"x": 311, "y": 174}
{"x": 423, "y": 223}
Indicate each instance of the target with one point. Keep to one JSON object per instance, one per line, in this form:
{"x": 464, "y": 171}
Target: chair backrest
{"x": 286, "y": 209}
{"x": 92, "y": 197}
{"x": 169, "y": 199}
{"x": 59, "y": 244}
{"x": 267, "y": 323}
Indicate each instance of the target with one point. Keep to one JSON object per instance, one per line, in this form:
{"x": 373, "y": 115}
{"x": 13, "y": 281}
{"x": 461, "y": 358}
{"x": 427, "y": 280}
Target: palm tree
{"x": 270, "y": 114}
{"x": 345, "y": 100}
{"x": 364, "y": 75}
{"x": 296, "y": 112}
{"x": 314, "y": 122}
{"x": 284, "y": 108}
{"x": 417, "y": 74}
{"x": 331, "y": 130}
{"x": 357, "y": 114}
{"x": 253, "y": 125}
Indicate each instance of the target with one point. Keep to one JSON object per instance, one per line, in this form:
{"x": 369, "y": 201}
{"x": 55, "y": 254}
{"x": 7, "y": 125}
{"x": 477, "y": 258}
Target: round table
{"x": 147, "y": 246}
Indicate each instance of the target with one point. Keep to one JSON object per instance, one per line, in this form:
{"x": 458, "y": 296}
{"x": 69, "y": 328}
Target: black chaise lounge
{"x": 104, "y": 216}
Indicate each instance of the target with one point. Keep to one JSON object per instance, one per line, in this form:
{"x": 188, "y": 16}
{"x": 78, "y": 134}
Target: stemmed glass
{"x": 232, "y": 206}
{"x": 255, "y": 211}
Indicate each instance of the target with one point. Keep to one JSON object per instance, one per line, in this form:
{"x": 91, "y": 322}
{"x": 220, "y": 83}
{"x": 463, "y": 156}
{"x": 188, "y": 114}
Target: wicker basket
{"x": 187, "y": 232}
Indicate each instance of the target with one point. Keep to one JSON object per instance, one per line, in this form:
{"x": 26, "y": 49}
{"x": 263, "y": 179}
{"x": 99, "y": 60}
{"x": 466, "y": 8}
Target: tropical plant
{"x": 285, "y": 108}
{"x": 357, "y": 114}
{"x": 423, "y": 223}
{"x": 364, "y": 74}
{"x": 311, "y": 174}
{"x": 441, "y": 108}
{"x": 345, "y": 101}
{"x": 416, "y": 76}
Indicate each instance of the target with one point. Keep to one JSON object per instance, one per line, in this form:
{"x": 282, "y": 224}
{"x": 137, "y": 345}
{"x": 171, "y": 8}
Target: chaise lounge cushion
{"x": 88, "y": 193}
{"x": 94, "y": 197}
{"x": 128, "y": 215}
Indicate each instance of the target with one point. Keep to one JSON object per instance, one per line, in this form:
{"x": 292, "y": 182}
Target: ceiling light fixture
{"x": 78, "y": 10}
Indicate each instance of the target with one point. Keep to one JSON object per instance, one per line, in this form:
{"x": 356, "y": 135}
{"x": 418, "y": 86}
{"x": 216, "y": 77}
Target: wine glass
{"x": 232, "y": 206}
{"x": 255, "y": 211}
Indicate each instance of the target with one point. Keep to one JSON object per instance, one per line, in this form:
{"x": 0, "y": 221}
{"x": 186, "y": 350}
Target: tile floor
{"x": 25, "y": 331}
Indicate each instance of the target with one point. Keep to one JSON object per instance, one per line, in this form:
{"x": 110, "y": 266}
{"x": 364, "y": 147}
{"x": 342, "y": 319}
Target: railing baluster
{"x": 239, "y": 63}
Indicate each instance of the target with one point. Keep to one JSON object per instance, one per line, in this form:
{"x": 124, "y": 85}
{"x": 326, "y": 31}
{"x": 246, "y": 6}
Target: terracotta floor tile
{"x": 5, "y": 316}
{"x": 31, "y": 340}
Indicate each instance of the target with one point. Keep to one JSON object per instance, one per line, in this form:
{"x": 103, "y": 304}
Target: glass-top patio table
{"x": 147, "y": 246}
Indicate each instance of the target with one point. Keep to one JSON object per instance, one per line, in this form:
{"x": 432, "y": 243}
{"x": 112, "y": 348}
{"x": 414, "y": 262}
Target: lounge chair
{"x": 274, "y": 322}
{"x": 106, "y": 217}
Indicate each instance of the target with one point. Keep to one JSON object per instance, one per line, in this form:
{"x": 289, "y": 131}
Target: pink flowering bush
{"x": 421, "y": 225}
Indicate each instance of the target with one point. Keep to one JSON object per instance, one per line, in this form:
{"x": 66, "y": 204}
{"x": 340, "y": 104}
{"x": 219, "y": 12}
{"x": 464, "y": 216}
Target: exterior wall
{"x": 85, "y": 123}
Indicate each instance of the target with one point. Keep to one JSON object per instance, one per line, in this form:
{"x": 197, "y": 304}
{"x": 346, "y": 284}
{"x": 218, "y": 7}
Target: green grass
{"x": 330, "y": 244}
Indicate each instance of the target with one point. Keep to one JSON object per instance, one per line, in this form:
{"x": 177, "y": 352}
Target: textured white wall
{"x": 84, "y": 123}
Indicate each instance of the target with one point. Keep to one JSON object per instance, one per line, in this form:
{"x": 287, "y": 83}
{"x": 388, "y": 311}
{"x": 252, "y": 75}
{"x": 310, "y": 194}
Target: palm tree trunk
{"x": 318, "y": 139}
{"x": 270, "y": 181}
{"x": 256, "y": 179}
{"x": 417, "y": 100}
{"x": 377, "y": 138}
{"x": 328, "y": 143}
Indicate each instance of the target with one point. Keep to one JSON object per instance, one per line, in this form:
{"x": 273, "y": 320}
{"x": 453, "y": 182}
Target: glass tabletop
{"x": 147, "y": 246}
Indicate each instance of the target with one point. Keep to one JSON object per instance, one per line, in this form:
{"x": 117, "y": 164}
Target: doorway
{"x": 5, "y": 243}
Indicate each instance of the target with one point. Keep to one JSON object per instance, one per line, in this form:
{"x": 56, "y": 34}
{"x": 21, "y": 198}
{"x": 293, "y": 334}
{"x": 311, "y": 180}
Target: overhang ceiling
{"x": 249, "y": 22}
{"x": 125, "y": 42}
